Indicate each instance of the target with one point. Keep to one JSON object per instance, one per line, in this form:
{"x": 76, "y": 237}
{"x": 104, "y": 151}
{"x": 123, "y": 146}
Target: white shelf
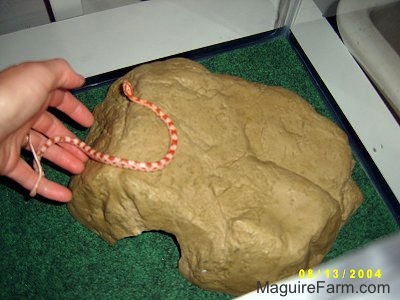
{"x": 108, "y": 40}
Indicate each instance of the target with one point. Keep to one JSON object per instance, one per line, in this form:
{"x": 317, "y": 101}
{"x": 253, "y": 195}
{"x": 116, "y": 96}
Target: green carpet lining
{"x": 46, "y": 254}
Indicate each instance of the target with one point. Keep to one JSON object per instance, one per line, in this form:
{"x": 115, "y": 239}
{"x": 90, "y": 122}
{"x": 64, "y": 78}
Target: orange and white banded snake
{"x": 110, "y": 159}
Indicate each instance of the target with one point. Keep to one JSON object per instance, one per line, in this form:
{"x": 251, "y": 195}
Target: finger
{"x": 28, "y": 86}
{"x": 48, "y": 125}
{"x": 41, "y": 77}
{"x": 26, "y": 177}
{"x": 72, "y": 107}
{"x": 62, "y": 75}
{"x": 60, "y": 156}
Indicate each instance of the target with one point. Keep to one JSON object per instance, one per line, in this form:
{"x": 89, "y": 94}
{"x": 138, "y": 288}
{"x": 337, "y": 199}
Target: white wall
{"x": 327, "y": 7}
{"x": 91, "y": 6}
{"x": 21, "y": 14}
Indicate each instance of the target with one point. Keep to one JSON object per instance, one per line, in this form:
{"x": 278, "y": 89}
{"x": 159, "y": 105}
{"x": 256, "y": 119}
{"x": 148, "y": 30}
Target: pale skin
{"x": 27, "y": 91}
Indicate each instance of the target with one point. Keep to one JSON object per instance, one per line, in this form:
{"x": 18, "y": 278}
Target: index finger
{"x": 61, "y": 75}
{"x": 62, "y": 78}
{"x": 64, "y": 101}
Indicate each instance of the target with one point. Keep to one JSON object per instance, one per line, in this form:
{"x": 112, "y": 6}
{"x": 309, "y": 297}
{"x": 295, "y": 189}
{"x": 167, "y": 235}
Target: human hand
{"x": 26, "y": 91}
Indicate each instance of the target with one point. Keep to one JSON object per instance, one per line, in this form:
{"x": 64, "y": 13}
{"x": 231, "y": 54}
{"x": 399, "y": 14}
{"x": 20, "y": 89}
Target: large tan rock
{"x": 259, "y": 188}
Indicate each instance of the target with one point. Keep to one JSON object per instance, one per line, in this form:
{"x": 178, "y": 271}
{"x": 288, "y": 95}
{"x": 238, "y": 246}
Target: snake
{"x": 108, "y": 159}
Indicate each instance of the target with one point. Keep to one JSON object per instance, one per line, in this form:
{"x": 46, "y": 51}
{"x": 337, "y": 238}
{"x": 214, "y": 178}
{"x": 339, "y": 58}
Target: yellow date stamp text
{"x": 347, "y": 273}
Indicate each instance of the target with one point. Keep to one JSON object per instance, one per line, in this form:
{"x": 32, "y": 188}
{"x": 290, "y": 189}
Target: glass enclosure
{"x": 370, "y": 30}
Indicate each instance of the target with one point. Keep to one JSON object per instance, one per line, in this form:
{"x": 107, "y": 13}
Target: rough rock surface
{"x": 259, "y": 188}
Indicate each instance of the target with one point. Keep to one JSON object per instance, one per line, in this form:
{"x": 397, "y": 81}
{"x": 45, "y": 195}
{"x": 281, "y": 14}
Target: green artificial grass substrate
{"x": 46, "y": 254}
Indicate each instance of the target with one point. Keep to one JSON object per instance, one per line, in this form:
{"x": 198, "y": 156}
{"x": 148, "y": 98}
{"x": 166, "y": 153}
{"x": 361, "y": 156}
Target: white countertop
{"x": 116, "y": 38}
